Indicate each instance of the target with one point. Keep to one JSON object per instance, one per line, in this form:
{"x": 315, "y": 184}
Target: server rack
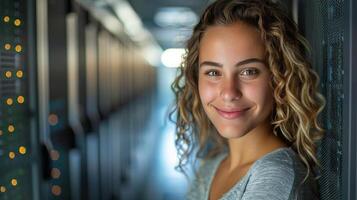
{"x": 19, "y": 147}
{"x": 63, "y": 134}
{"x": 330, "y": 26}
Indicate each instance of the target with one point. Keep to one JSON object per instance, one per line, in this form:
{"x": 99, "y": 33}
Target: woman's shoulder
{"x": 283, "y": 160}
{"x": 278, "y": 175}
{"x": 284, "y": 157}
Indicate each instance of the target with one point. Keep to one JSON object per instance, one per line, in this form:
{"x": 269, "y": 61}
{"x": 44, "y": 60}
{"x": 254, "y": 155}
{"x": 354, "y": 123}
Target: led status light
{"x": 53, "y": 119}
{"x": 18, "y": 48}
{"x": 20, "y": 99}
{"x": 54, "y": 155}
{"x": 55, "y": 173}
{"x": 17, "y": 22}
{"x": 11, "y": 128}
{"x": 19, "y": 74}
{"x": 6, "y": 19}
{"x": 2, "y": 189}
{"x": 8, "y": 74}
{"x": 9, "y": 101}
{"x": 7, "y": 46}
{"x": 56, "y": 190}
{"x": 22, "y": 150}
{"x": 11, "y": 155}
{"x": 13, "y": 182}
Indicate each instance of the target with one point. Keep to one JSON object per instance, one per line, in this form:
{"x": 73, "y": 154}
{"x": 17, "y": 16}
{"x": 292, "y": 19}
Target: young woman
{"x": 247, "y": 99}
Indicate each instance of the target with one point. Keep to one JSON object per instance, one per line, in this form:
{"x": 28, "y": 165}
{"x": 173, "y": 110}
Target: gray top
{"x": 275, "y": 176}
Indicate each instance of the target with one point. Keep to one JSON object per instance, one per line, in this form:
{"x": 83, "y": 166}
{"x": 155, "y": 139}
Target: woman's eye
{"x": 212, "y": 73}
{"x": 249, "y": 72}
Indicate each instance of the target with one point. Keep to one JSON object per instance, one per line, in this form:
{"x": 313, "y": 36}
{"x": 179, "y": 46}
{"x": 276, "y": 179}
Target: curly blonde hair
{"x": 297, "y": 100}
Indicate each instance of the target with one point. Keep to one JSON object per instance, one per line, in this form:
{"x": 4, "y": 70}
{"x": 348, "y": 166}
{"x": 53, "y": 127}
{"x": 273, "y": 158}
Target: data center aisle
{"x": 163, "y": 181}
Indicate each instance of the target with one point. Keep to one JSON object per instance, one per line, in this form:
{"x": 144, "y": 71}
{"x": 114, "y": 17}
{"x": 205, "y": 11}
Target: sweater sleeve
{"x": 271, "y": 179}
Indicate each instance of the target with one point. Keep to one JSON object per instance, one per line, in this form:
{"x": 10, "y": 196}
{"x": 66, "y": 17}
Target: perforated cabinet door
{"x": 322, "y": 22}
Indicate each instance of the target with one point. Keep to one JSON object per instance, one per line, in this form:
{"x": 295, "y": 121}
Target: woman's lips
{"x": 232, "y": 114}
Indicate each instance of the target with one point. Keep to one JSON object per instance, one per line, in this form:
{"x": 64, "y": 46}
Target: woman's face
{"x": 233, "y": 80}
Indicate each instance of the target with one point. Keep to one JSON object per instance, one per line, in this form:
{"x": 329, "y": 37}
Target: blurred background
{"x": 85, "y": 92}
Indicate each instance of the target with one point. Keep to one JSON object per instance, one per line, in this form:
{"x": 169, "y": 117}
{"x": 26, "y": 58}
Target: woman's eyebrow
{"x": 250, "y": 60}
{"x": 246, "y": 61}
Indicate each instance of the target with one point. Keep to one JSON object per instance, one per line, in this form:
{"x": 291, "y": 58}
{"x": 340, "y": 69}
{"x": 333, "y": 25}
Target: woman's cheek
{"x": 207, "y": 91}
{"x": 260, "y": 94}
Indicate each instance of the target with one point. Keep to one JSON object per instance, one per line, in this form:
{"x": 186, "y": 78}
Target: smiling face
{"x": 233, "y": 80}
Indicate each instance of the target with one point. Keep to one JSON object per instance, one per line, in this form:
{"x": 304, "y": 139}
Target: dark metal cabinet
{"x": 330, "y": 27}
{"x": 19, "y": 148}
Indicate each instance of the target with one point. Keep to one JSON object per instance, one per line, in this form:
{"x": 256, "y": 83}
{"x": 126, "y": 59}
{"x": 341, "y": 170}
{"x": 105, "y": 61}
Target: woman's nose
{"x": 230, "y": 90}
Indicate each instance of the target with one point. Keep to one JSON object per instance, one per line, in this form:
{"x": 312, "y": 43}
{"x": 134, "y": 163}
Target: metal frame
{"x": 42, "y": 67}
{"x": 72, "y": 98}
{"x": 349, "y": 186}
{"x": 32, "y": 66}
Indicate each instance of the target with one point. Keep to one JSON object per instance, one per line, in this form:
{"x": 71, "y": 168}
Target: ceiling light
{"x": 175, "y": 17}
{"x": 172, "y": 57}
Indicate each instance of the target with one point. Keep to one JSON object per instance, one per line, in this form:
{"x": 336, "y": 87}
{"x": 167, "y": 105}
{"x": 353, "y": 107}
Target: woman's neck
{"x": 252, "y": 146}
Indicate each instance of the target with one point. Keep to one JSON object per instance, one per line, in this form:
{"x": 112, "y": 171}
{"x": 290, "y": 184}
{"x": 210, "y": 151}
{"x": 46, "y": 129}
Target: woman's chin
{"x": 231, "y": 133}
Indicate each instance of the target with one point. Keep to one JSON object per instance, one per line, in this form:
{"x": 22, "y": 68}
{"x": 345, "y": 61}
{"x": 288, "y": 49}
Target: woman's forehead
{"x": 238, "y": 27}
{"x": 236, "y": 40}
